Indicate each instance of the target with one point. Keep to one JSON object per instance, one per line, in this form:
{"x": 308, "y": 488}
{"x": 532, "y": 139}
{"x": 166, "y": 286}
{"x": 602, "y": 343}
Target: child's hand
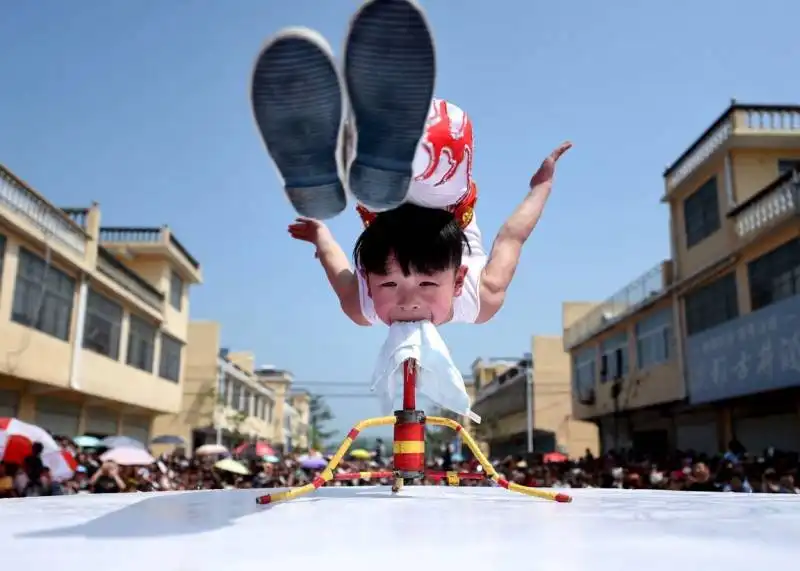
{"x": 544, "y": 176}
{"x": 308, "y": 230}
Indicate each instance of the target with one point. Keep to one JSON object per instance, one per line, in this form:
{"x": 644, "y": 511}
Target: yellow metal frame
{"x": 327, "y": 474}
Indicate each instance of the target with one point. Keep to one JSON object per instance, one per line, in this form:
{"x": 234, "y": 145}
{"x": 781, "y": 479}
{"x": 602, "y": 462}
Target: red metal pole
{"x": 409, "y": 384}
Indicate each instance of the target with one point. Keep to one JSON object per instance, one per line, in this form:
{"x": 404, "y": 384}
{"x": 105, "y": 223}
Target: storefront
{"x": 137, "y": 427}
{"x": 60, "y": 418}
{"x": 100, "y": 422}
{"x": 9, "y": 403}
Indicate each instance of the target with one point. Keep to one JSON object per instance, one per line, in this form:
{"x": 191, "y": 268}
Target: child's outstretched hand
{"x": 543, "y": 179}
{"x": 308, "y": 230}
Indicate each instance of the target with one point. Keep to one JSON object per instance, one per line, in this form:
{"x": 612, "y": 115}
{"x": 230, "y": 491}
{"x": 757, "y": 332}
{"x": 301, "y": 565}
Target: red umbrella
{"x": 16, "y": 444}
{"x": 555, "y": 458}
{"x": 258, "y": 448}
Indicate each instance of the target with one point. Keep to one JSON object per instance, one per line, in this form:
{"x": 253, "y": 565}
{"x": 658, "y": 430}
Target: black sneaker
{"x": 299, "y": 107}
{"x": 389, "y": 70}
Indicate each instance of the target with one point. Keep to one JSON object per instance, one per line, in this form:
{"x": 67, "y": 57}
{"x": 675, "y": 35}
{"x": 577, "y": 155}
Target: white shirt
{"x": 467, "y": 306}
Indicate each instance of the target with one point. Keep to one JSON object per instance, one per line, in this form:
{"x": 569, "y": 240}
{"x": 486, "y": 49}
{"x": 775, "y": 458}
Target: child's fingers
{"x": 560, "y": 150}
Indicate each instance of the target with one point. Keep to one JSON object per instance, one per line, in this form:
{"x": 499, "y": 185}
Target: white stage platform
{"x": 423, "y": 527}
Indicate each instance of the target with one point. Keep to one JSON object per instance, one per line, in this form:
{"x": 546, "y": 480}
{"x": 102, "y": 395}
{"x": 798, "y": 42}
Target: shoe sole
{"x": 298, "y": 104}
{"x": 390, "y": 71}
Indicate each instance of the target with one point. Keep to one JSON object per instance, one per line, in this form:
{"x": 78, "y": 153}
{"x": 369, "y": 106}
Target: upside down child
{"x": 407, "y": 161}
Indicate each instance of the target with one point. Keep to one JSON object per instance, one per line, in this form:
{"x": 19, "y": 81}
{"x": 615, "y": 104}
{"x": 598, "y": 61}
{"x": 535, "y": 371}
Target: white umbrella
{"x": 211, "y": 449}
{"x": 128, "y": 457}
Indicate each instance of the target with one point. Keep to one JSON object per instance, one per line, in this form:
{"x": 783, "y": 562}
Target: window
{"x": 786, "y": 165}
{"x": 176, "y": 291}
{"x": 43, "y": 296}
{"x": 2, "y": 254}
{"x": 584, "y": 370}
{"x": 169, "y": 366}
{"x": 236, "y": 394}
{"x": 712, "y": 305}
{"x": 103, "y": 324}
{"x": 775, "y": 275}
{"x": 222, "y": 386}
{"x": 701, "y": 213}
{"x": 608, "y": 353}
{"x": 141, "y": 344}
{"x": 654, "y": 340}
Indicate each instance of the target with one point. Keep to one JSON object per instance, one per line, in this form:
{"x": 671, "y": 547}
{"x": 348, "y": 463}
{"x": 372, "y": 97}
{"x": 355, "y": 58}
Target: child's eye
{"x": 389, "y": 284}
{"x": 428, "y": 284}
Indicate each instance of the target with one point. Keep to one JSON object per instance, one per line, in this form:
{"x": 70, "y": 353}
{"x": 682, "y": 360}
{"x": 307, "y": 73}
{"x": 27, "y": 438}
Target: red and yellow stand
{"x": 409, "y": 452}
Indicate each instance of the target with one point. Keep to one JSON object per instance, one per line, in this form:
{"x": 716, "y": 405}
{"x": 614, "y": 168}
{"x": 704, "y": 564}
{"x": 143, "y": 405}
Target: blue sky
{"x": 142, "y": 105}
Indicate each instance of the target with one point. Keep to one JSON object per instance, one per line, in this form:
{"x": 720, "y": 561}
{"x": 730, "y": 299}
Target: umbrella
{"x": 254, "y": 449}
{"x": 271, "y": 459}
{"x": 169, "y": 439}
{"x": 128, "y": 456}
{"x": 232, "y": 466}
{"x": 16, "y": 443}
{"x": 312, "y": 462}
{"x": 554, "y": 458}
{"x": 211, "y": 450}
{"x": 87, "y": 442}
{"x": 121, "y": 442}
{"x": 361, "y": 454}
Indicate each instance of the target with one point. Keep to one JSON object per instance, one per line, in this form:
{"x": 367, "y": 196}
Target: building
{"x": 293, "y": 408}
{"x": 706, "y": 347}
{"x": 223, "y": 401}
{"x": 93, "y": 320}
{"x": 535, "y": 392}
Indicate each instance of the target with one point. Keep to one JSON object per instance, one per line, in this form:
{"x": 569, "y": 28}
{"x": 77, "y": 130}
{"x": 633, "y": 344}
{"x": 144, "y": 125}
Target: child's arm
{"x": 335, "y": 263}
{"x": 507, "y": 247}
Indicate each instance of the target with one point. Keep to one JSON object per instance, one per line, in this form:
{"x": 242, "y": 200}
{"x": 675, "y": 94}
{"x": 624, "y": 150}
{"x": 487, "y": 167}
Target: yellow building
{"x": 293, "y": 408}
{"x": 223, "y": 401}
{"x": 706, "y": 346}
{"x": 93, "y": 320}
{"x": 513, "y": 395}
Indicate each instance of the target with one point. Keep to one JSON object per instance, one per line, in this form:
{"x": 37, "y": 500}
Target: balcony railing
{"x": 737, "y": 119}
{"x": 641, "y": 290}
{"x": 16, "y": 196}
{"x": 777, "y": 202}
{"x": 145, "y": 235}
{"x": 107, "y": 264}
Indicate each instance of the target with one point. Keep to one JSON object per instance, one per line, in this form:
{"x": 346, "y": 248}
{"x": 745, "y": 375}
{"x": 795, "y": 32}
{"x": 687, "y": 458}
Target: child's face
{"x": 415, "y": 297}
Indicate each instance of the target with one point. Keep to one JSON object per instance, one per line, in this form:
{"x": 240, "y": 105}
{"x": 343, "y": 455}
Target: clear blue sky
{"x": 142, "y": 105}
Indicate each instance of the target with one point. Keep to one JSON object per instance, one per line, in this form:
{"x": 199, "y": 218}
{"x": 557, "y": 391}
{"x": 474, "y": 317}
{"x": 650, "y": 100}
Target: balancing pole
{"x": 409, "y": 432}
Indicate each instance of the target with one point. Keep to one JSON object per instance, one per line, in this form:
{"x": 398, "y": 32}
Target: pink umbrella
{"x": 16, "y": 442}
{"x": 128, "y": 457}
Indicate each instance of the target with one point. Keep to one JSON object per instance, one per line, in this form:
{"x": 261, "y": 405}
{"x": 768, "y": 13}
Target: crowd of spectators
{"x": 734, "y": 471}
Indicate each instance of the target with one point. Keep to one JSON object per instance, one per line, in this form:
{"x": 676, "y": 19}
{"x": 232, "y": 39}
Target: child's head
{"x": 411, "y": 259}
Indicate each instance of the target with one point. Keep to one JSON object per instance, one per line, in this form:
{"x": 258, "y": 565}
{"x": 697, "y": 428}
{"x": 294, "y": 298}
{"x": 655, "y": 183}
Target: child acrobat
{"x": 407, "y": 159}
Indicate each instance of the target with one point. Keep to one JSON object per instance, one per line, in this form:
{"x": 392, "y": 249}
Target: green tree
{"x": 320, "y": 415}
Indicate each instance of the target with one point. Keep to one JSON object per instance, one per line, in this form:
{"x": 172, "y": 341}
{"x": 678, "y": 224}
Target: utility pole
{"x": 529, "y": 399}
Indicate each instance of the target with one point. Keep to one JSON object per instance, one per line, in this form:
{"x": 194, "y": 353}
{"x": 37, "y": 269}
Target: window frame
{"x": 700, "y": 302}
{"x": 165, "y": 369}
{"x": 701, "y": 215}
{"x": 100, "y": 314}
{"x": 656, "y": 328}
{"x": 775, "y": 275}
{"x": 176, "y": 288}
{"x": 44, "y": 296}
{"x": 135, "y": 323}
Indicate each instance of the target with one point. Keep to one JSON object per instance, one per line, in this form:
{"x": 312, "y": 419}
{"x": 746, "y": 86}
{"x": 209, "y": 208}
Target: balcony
{"x": 505, "y": 395}
{"x": 146, "y": 236}
{"x": 739, "y": 125}
{"x": 778, "y": 202}
{"x": 50, "y": 220}
{"x": 648, "y": 287}
{"x": 112, "y": 268}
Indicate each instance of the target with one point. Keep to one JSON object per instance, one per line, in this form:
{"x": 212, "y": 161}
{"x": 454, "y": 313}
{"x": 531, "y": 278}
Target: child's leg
{"x": 299, "y": 107}
{"x": 389, "y": 72}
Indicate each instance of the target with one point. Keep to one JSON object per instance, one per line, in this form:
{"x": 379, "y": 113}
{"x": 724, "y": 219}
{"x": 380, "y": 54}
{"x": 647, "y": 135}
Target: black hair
{"x": 424, "y": 240}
